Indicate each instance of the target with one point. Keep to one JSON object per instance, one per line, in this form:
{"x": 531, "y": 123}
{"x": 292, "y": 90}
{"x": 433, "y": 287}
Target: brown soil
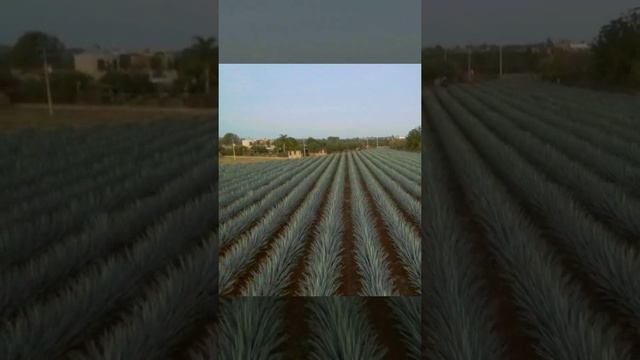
{"x": 296, "y": 327}
{"x": 350, "y": 279}
{"x": 298, "y": 273}
{"x": 260, "y": 257}
{"x": 398, "y": 273}
{"x": 383, "y": 324}
{"x": 224, "y": 249}
{"x": 408, "y": 218}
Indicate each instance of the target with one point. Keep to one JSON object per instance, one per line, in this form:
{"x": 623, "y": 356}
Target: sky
{"x": 319, "y": 100}
{"x": 320, "y": 31}
{"x": 462, "y": 22}
{"x": 126, "y": 24}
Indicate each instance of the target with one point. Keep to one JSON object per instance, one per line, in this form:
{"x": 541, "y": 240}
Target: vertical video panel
{"x": 320, "y": 170}
{"x": 530, "y": 167}
{"x": 108, "y": 205}
{"x": 320, "y": 180}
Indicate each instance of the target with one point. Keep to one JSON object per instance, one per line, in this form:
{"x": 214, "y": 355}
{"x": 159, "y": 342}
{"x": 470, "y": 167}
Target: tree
{"x": 286, "y": 143}
{"x": 616, "y": 53}
{"x": 230, "y": 139}
{"x": 156, "y": 64}
{"x": 27, "y": 53}
{"x": 197, "y": 60}
{"x": 313, "y": 145}
{"x": 414, "y": 139}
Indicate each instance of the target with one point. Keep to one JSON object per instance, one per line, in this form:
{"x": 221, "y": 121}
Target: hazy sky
{"x": 166, "y": 24}
{"x": 320, "y": 31}
{"x": 460, "y": 22}
{"x": 307, "y": 100}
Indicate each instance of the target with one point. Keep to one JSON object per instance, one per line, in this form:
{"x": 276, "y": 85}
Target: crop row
{"x": 338, "y": 328}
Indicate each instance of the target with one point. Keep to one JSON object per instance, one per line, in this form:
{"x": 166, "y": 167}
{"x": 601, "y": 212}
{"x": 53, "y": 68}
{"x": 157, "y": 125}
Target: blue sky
{"x": 319, "y": 100}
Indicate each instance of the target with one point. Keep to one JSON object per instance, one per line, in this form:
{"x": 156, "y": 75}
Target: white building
{"x": 247, "y": 142}
{"x": 96, "y": 63}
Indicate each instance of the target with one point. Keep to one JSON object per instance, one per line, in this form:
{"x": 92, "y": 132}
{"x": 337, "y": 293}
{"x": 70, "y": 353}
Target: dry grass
{"x": 228, "y": 160}
{"x": 37, "y": 116}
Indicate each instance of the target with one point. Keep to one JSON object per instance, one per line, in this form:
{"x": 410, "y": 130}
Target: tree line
{"x": 232, "y": 142}
{"x": 21, "y": 73}
{"x": 612, "y": 60}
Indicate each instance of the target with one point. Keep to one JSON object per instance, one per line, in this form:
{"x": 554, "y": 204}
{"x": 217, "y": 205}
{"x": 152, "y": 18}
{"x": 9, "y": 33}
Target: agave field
{"x": 106, "y": 241}
{"x": 533, "y": 222}
{"x": 341, "y": 224}
{"x": 264, "y": 328}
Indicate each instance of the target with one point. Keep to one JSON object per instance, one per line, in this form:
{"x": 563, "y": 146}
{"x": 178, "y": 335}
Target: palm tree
{"x": 198, "y": 59}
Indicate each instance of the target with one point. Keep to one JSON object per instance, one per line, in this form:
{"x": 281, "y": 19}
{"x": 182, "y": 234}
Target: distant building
{"x": 247, "y": 142}
{"x": 319, "y": 153}
{"x": 159, "y": 66}
{"x": 294, "y": 154}
{"x": 569, "y": 45}
{"x": 96, "y": 63}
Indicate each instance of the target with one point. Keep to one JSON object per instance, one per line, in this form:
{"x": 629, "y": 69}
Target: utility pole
{"x": 304, "y": 147}
{"x": 367, "y": 142}
{"x": 233, "y": 146}
{"x": 500, "y": 61}
{"x": 376, "y": 142}
{"x": 46, "y": 81}
{"x": 469, "y": 59}
{"x": 445, "y": 55}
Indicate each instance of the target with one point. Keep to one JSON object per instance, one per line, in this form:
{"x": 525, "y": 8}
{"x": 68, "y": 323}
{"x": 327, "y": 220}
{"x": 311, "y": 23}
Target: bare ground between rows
{"x": 245, "y": 277}
{"x": 408, "y": 218}
{"x": 296, "y": 327}
{"x": 299, "y": 272}
{"x": 400, "y": 185}
{"x": 379, "y": 313}
{"x": 508, "y": 324}
{"x": 350, "y": 282}
{"x": 398, "y": 272}
{"x": 222, "y": 251}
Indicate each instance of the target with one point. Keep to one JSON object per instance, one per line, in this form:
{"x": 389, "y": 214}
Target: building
{"x": 568, "y": 45}
{"x": 159, "y": 66}
{"x": 319, "y": 153}
{"x": 294, "y": 154}
{"x": 96, "y": 63}
{"x": 247, "y": 142}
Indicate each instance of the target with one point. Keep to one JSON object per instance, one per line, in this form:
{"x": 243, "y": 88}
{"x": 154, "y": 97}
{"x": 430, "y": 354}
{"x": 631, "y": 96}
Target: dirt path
{"x": 299, "y": 271}
{"x": 379, "y": 314}
{"x": 350, "y": 283}
{"x": 398, "y": 272}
